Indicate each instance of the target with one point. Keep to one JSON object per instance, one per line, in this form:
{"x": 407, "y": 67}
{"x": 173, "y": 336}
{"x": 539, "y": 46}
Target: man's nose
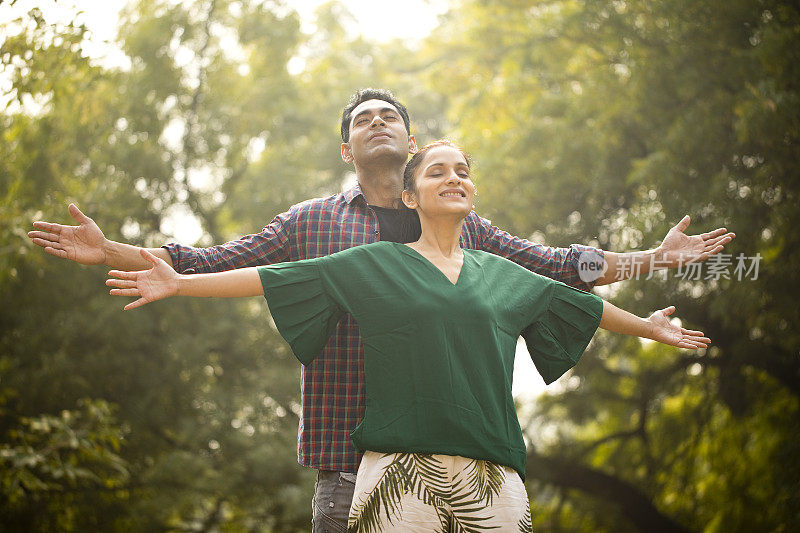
{"x": 377, "y": 121}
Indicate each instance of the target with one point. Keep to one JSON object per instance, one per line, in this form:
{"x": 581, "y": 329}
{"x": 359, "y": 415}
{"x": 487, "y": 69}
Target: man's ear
{"x": 409, "y": 199}
{"x": 347, "y": 154}
{"x": 412, "y": 145}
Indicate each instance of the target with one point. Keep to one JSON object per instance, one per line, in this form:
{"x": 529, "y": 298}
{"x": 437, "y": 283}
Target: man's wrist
{"x": 651, "y": 260}
{"x": 659, "y": 258}
{"x": 107, "y": 250}
{"x": 651, "y": 327}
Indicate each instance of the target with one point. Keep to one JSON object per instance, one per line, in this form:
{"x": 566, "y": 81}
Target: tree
{"x": 199, "y": 431}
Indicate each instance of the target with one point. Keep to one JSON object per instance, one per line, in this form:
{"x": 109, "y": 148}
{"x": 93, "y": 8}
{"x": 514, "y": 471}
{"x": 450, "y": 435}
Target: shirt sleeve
{"x": 303, "y": 310}
{"x": 269, "y": 246}
{"x": 558, "y": 337}
{"x": 560, "y": 264}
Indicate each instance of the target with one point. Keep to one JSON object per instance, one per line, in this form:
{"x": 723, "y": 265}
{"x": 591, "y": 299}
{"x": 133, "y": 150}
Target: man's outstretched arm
{"x": 585, "y": 267}
{"x": 86, "y": 244}
{"x": 677, "y": 249}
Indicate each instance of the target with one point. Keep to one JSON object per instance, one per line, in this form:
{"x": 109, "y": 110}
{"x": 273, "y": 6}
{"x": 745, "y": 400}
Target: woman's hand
{"x": 665, "y": 332}
{"x": 158, "y": 283}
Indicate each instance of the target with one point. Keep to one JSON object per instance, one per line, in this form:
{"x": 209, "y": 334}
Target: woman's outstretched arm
{"x": 162, "y": 281}
{"x": 657, "y": 327}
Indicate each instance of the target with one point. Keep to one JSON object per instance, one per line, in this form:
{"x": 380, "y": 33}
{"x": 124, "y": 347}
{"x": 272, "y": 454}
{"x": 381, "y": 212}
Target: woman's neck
{"x": 440, "y": 235}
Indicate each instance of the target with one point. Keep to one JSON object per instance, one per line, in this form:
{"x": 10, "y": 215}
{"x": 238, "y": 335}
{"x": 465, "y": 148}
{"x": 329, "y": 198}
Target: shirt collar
{"x": 353, "y": 193}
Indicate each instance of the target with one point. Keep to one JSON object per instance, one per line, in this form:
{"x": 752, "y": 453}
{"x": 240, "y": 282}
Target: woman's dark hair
{"x": 416, "y": 160}
{"x": 371, "y": 94}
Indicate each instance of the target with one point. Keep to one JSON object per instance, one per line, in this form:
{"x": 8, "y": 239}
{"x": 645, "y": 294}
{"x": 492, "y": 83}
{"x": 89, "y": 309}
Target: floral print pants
{"x": 411, "y": 492}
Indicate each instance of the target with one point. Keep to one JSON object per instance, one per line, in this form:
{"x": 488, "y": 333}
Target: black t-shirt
{"x": 397, "y": 225}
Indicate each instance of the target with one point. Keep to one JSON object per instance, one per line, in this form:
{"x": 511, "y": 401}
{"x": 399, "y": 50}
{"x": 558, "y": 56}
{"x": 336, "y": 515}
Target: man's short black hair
{"x": 371, "y": 94}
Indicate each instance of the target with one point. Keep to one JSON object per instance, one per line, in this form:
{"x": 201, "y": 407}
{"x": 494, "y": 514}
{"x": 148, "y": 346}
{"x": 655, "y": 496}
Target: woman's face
{"x": 443, "y": 184}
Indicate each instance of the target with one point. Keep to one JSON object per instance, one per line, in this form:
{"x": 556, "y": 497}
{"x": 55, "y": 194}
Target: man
{"x": 376, "y": 138}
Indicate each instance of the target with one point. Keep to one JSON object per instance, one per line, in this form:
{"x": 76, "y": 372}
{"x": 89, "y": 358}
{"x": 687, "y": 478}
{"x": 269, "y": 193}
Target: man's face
{"x": 377, "y": 135}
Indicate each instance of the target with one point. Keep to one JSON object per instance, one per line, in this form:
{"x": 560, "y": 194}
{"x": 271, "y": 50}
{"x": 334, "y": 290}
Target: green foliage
{"x": 52, "y": 453}
{"x": 205, "y": 396}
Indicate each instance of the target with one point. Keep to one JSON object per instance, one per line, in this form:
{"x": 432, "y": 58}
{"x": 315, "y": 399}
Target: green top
{"x": 438, "y": 356}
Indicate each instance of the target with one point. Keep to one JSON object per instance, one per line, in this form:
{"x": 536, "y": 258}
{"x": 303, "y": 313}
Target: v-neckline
{"x": 427, "y": 261}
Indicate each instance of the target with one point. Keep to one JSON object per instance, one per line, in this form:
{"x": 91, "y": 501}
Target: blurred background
{"x": 597, "y": 122}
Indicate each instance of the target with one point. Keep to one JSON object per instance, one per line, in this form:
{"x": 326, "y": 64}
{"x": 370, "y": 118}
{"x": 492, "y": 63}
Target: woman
{"x": 443, "y": 447}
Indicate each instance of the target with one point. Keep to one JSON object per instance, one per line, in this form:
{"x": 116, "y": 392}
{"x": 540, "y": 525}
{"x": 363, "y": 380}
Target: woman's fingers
{"x": 134, "y": 305}
{"x": 691, "y": 345}
{"x": 125, "y": 283}
{"x": 698, "y": 338}
{"x": 125, "y": 292}
{"x": 694, "y": 342}
{"x": 121, "y": 274}
{"x": 121, "y": 283}
{"x": 697, "y": 344}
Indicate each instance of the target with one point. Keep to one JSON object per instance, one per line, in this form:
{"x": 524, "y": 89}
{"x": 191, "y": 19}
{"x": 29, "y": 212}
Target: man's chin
{"x": 384, "y": 154}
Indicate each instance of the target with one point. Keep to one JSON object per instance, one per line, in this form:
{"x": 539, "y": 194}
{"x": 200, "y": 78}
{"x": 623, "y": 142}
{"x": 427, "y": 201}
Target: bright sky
{"x": 386, "y": 19}
{"x": 375, "y": 20}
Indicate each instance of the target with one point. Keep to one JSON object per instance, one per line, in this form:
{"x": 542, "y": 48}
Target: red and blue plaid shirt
{"x": 332, "y": 386}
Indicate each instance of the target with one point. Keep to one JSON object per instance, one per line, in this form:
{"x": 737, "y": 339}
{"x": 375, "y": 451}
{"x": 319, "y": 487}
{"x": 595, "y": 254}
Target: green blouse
{"x": 438, "y": 356}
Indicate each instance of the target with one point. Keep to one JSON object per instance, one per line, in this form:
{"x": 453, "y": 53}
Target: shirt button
{"x": 330, "y": 504}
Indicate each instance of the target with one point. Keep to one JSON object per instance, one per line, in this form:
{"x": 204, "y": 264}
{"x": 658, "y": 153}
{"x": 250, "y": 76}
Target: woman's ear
{"x": 409, "y": 199}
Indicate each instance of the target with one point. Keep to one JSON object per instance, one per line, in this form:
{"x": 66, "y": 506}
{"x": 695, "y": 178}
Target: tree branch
{"x": 632, "y": 502}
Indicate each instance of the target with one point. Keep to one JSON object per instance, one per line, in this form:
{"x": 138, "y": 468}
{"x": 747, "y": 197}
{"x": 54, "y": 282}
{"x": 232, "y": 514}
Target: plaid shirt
{"x": 332, "y": 386}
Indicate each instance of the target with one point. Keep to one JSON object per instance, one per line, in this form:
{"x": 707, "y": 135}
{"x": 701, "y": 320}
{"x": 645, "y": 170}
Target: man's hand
{"x": 666, "y": 332}
{"x": 82, "y": 244}
{"x": 678, "y": 249}
{"x": 158, "y": 283}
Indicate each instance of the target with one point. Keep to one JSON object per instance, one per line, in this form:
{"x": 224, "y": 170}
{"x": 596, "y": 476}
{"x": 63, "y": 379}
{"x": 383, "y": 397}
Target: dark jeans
{"x": 333, "y": 494}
